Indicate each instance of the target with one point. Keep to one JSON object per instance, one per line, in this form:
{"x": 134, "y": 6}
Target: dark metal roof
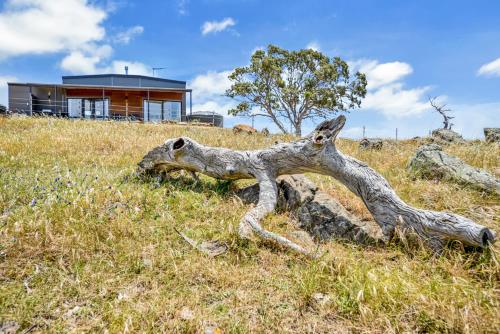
{"x": 92, "y": 76}
{"x": 107, "y": 87}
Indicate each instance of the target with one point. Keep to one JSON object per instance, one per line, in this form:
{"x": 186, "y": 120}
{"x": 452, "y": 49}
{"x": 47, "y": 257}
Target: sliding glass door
{"x": 156, "y": 111}
{"x": 88, "y": 107}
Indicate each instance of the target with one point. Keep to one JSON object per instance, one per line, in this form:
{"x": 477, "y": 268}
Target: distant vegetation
{"x": 85, "y": 246}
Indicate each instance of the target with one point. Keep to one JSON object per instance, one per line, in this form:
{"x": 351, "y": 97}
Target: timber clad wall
{"x": 125, "y": 95}
{"x": 117, "y": 104}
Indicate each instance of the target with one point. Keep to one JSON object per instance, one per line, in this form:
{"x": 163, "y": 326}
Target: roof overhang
{"x": 128, "y": 88}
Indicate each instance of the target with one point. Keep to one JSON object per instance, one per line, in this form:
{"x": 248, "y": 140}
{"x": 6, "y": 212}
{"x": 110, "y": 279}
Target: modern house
{"x": 104, "y": 96}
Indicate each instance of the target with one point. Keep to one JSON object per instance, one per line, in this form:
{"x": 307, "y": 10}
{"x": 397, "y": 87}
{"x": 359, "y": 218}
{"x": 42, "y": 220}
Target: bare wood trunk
{"x": 315, "y": 153}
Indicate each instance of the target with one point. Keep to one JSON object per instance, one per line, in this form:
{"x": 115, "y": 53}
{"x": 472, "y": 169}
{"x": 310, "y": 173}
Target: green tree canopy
{"x": 292, "y": 86}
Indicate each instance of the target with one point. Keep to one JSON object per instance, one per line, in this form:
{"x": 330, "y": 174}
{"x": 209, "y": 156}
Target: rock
{"x": 371, "y": 144}
{"x": 9, "y": 327}
{"x": 186, "y": 313}
{"x": 431, "y": 162}
{"x": 265, "y": 132}
{"x": 445, "y": 136}
{"x": 212, "y": 329}
{"x": 316, "y": 212}
{"x": 492, "y": 135}
{"x": 320, "y": 299}
{"x": 243, "y": 128}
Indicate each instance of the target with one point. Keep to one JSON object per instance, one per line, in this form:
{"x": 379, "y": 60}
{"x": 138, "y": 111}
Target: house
{"x": 104, "y": 96}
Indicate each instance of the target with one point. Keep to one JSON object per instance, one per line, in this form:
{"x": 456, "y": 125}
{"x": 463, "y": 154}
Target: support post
{"x": 144, "y": 116}
{"x": 31, "y": 102}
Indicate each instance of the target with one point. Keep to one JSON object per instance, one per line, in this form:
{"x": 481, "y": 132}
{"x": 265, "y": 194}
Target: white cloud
{"x": 134, "y": 67}
{"x": 386, "y": 91}
{"x": 395, "y": 101}
{"x": 208, "y": 92}
{"x": 490, "y": 69}
{"x": 217, "y": 26}
{"x": 381, "y": 74}
{"x": 211, "y": 84}
{"x": 182, "y": 7}
{"x": 4, "y": 88}
{"x": 79, "y": 63}
{"x": 313, "y": 45}
{"x": 41, "y": 26}
{"x": 96, "y": 60}
{"x": 126, "y": 36}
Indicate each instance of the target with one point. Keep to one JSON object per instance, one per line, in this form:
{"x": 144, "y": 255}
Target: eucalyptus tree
{"x": 290, "y": 87}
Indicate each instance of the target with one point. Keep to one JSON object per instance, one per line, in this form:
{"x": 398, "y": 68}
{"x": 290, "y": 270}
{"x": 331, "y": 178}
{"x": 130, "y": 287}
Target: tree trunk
{"x": 298, "y": 129}
{"x": 315, "y": 153}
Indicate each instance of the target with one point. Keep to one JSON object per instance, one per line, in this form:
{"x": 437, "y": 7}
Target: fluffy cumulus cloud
{"x": 73, "y": 27}
{"x": 490, "y": 69}
{"x": 84, "y": 62}
{"x": 208, "y": 92}
{"x": 126, "y": 36}
{"x": 212, "y": 27}
{"x": 387, "y": 93}
{"x": 40, "y": 26}
{"x": 211, "y": 83}
{"x": 395, "y": 101}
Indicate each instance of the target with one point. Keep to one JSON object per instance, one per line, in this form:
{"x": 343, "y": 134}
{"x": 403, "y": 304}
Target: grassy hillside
{"x": 85, "y": 246}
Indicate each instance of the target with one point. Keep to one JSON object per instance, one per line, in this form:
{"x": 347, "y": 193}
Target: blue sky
{"x": 409, "y": 49}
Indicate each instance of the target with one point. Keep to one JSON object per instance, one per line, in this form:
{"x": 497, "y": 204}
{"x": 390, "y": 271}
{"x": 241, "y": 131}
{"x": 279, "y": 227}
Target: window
{"x": 156, "y": 111}
{"x": 88, "y": 107}
{"x": 172, "y": 110}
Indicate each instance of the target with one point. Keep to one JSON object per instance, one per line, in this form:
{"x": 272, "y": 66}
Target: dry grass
{"x": 85, "y": 247}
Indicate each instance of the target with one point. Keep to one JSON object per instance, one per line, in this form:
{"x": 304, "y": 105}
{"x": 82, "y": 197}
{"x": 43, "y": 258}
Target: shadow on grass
{"x": 408, "y": 245}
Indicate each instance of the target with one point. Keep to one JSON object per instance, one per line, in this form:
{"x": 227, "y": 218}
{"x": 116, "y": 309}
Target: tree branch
{"x": 315, "y": 153}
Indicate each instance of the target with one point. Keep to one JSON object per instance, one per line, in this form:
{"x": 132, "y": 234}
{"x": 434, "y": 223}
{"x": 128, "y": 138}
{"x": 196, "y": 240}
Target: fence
{"x": 103, "y": 110}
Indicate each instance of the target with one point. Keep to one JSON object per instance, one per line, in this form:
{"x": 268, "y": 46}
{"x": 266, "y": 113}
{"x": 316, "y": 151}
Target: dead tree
{"x": 315, "y": 153}
{"x": 442, "y": 110}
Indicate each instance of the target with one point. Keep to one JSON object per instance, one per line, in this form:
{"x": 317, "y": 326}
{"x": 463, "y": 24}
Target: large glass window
{"x": 156, "y": 111}
{"x": 75, "y": 107}
{"x": 88, "y": 107}
{"x": 172, "y": 110}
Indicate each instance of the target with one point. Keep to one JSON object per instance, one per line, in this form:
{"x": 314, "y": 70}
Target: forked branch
{"x": 315, "y": 153}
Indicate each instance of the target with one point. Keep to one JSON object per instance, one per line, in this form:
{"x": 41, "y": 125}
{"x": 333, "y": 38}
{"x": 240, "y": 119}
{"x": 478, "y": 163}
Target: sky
{"x": 410, "y": 50}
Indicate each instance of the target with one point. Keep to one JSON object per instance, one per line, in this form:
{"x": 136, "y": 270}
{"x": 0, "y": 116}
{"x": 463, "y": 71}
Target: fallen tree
{"x": 315, "y": 153}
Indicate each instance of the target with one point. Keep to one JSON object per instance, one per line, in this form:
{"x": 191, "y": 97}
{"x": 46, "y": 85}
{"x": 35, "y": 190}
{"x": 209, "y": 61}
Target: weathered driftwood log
{"x": 315, "y": 153}
{"x": 431, "y": 162}
{"x": 315, "y": 211}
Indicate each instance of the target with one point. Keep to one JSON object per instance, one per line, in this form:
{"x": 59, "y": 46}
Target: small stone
{"x": 72, "y": 312}
{"x": 212, "y": 330}
{"x": 9, "y": 327}
{"x": 320, "y": 299}
{"x": 186, "y": 313}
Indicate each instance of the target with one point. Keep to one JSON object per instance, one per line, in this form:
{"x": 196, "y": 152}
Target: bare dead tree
{"x": 315, "y": 153}
{"x": 442, "y": 110}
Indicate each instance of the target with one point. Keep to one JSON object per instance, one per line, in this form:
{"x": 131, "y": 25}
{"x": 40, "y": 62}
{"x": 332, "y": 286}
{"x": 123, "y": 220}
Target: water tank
{"x": 209, "y": 117}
